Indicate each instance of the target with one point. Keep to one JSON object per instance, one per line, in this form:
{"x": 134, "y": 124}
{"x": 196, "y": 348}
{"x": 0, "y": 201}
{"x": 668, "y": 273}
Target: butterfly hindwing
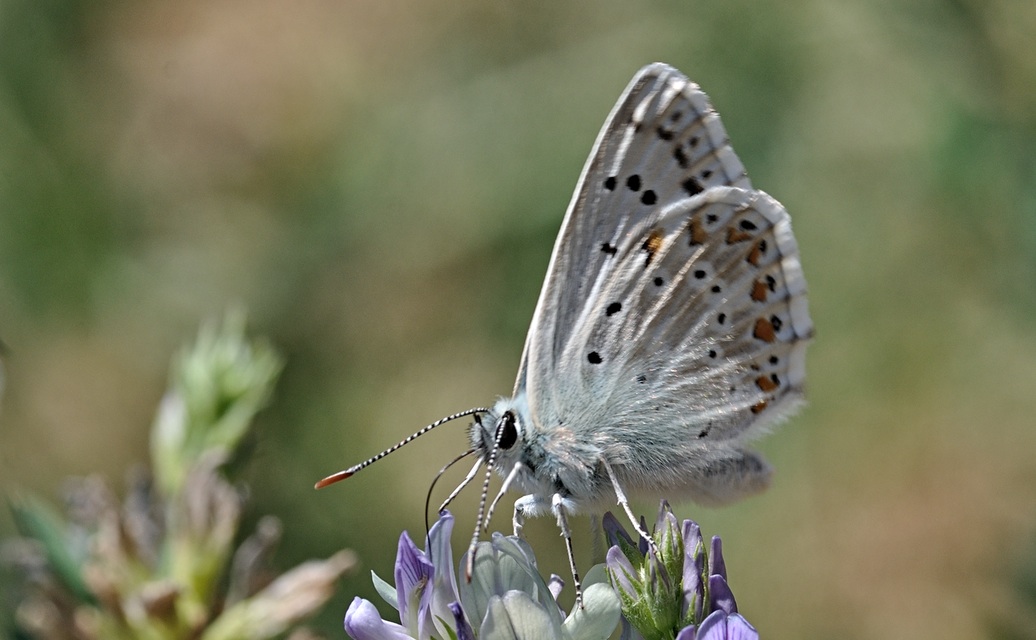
{"x": 701, "y": 327}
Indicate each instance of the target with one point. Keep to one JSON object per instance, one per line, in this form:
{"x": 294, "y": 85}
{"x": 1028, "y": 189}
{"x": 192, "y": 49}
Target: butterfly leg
{"x": 558, "y": 507}
{"x": 530, "y": 506}
{"x": 624, "y": 502}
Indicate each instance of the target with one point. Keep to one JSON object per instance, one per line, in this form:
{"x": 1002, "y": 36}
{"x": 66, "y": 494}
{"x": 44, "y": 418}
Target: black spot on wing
{"x": 692, "y": 186}
{"x": 681, "y": 157}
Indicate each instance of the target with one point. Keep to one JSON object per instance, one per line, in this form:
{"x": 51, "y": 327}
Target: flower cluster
{"x": 162, "y": 563}
{"x": 667, "y": 588}
{"x": 505, "y": 599}
{"x": 670, "y": 587}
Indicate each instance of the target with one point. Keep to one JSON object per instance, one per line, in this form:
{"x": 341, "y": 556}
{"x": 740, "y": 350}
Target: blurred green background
{"x": 379, "y": 183}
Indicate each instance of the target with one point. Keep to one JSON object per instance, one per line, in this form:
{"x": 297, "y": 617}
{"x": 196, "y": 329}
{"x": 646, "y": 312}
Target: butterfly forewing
{"x": 662, "y": 143}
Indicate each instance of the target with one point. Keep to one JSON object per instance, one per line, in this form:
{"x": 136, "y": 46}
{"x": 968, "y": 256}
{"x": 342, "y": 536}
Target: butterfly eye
{"x": 507, "y": 432}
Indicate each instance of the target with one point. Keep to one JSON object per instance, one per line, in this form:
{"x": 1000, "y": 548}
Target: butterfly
{"x": 671, "y": 329}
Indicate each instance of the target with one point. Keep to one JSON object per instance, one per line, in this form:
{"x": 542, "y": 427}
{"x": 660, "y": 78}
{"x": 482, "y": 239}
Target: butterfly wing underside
{"x": 690, "y": 153}
{"x": 674, "y": 301}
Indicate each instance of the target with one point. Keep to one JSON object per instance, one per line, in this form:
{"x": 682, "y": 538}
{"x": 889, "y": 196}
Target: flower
{"x": 506, "y": 598}
{"x": 670, "y": 585}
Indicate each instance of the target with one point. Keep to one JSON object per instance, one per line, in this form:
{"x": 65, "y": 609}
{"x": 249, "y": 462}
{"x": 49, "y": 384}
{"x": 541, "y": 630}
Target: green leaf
{"x": 36, "y": 520}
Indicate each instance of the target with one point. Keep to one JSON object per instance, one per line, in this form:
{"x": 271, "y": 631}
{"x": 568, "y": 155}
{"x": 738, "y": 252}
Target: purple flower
{"x": 363, "y": 622}
{"x": 673, "y": 587}
{"x": 720, "y": 626}
{"x": 425, "y": 594}
{"x": 505, "y": 599}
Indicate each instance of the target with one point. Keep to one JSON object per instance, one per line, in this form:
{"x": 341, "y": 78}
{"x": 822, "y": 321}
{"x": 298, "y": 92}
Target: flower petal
{"x": 363, "y": 622}
{"x": 385, "y": 590}
{"x": 516, "y": 616}
{"x": 464, "y": 630}
{"x": 721, "y": 598}
{"x": 714, "y": 627}
{"x": 497, "y": 624}
{"x": 555, "y": 585}
{"x": 693, "y": 565}
{"x": 597, "y": 573}
{"x": 413, "y": 574}
{"x": 598, "y": 617}
{"x": 667, "y": 532}
{"x": 716, "y": 564}
{"x": 720, "y": 626}
{"x": 501, "y": 565}
{"x": 669, "y": 540}
{"x": 623, "y": 575}
{"x": 629, "y": 632}
{"x": 615, "y": 532}
{"x": 688, "y": 633}
{"x": 444, "y": 580}
{"x": 739, "y": 629}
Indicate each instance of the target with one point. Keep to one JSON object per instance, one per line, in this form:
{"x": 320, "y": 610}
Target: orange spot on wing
{"x": 758, "y": 407}
{"x": 735, "y": 235}
{"x": 764, "y": 330}
{"x": 653, "y": 243}
{"x": 698, "y": 233}
{"x": 766, "y": 384}
{"x": 756, "y": 253}
{"x": 759, "y": 291}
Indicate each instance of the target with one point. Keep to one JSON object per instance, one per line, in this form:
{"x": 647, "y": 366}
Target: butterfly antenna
{"x": 342, "y": 475}
{"x": 482, "y": 502}
{"x": 428, "y": 498}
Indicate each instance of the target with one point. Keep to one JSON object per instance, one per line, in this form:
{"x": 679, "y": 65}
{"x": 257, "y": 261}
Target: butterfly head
{"x": 503, "y": 438}
{"x": 499, "y": 433}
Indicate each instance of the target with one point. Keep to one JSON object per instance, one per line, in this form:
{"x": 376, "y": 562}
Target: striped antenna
{"x": 342, "y": 475}
{"x": 485, "y": 496}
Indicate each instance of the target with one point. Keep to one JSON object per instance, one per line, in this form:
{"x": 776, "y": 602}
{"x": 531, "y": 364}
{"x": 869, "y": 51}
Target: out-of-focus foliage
{"x": 380, "y": 183}
{"x": 162, "y": 563}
